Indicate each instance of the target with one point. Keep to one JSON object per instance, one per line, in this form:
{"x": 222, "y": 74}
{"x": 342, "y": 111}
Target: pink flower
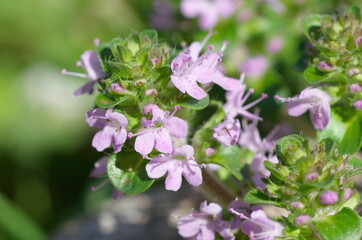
{"x": 113, "y": 125}
{"x": 179, "y": 163}
{"x": 355, "y": 87}
{"x": 314, "y": 100}
{"x": 260, "y": 227}
{"x": 203, "y": 225}
{"x": 275, "y": 44}
{"x": 188, "y": 69}
{"x": 254, "y": 66}
{"x": 227, "y": 132}
{"x": 208, "y": 11}
{"x": 235, "y": 100}
{"x": 158, "y": 131}
{"x": 358, "y": 104}
{"x": 90, "y": 62}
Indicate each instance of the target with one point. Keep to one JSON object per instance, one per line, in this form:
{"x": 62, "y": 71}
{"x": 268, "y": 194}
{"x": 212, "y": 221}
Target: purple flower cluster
{"x": 206, "y": 223}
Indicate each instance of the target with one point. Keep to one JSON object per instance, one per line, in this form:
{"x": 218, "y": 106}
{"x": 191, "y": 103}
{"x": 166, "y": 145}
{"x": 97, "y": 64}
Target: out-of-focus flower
{"x": 275, "y": 44}
{"x": 275, "y": 5}
{"x": 113, "y": 125}
{"x": 204, "y": 224}
{"x": 91, "y": 64}
{"x": 260, "y": 227}
{"x": 237, "y": 207}
{"x": 358, "y": 104}
{"x": 163, "y": 17}
{"x": 314, "y": 100}
{"x": 177, "y": 164}
{"x": 158, "y": 131}
{"x": 209, "y": 11}
{"x": 227, "y": 132}
{"x": 100, "y": 171}
{"x": 254, "y": 66}
{"x": 355, "y": 87}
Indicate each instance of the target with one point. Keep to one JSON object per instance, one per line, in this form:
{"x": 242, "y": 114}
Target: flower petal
{"x": 86, "y": 88}
{"x": 119, "y": 137}
{"x": 101, "y": 140}
{"x": 193, "y": 89}
{"x": 177, "y": 127}
{"x": 91, "y": 64}
{"x": 320, "y": 115}
{"x": 96, "y": 117}
{"x": 157, "y": 168}
{"x": 174, "y": 177}
{"x": 185, "y": 150}
{"x": 144, "y": 143}
{"x": 163, "y": 142}
{"x": 192, "y": 173}
{"x": 178, "y": 82}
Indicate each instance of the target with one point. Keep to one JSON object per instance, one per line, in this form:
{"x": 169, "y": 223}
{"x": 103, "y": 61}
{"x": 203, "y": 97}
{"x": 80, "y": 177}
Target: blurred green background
{"x": 45, "y": 144}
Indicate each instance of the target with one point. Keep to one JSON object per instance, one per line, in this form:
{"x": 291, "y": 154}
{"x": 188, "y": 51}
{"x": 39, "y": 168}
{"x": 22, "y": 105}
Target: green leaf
{"x": 346, "y": 134}
{"x": 16, "y": 223}
{"x": 290, "y": 148}
{"x": 192, "y": 103}
{"x": 256, "y": 197}
{"x": 313, "y": 76}
{"x": 148, "y": 35}
{"x": 230, "y": 158}
{"x": 104, "y": 102}
{"x": 160, "y": 75}
{"x": 355, "y": 10}
{"x": 122, "y": 71}
{"x": 310, "y": 22}
{"x": 128, "y": 173}
{"x": 354, "y": 166}
{"x": 345, "y": 225}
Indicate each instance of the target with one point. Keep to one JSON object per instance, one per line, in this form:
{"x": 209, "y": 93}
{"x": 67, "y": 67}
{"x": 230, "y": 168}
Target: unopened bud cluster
{"x": 310, "y": 180}
{"x": 336, "y": 58}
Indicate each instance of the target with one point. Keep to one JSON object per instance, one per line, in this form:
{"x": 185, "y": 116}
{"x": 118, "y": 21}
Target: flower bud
{"x": 209, "y": 151}
{"x": 312, "y": 177}
{"x": 328, "y": 197}
{"x": 347, "y": 194}
{"x": 297, "y": 204}
{"x": 115, "y": 87}
{"x": 149, "y": 107}
{"x": 301, "y": 219}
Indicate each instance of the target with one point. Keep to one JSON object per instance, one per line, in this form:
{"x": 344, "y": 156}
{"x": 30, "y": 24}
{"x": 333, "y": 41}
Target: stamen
{"x": 65, "y": 72}
{"x": 243, "y": 99}
{"x": 94, "y": 188}
{"x": 206, "y": 39}
{"x": 177, "y": 107}
{"x": 242, "y": 77}
{"x": 224, "y": 44}
{"x": 263, "y": 96}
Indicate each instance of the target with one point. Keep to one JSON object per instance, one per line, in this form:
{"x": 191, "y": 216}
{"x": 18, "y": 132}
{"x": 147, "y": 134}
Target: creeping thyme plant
{"x": 160, "y": 119}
